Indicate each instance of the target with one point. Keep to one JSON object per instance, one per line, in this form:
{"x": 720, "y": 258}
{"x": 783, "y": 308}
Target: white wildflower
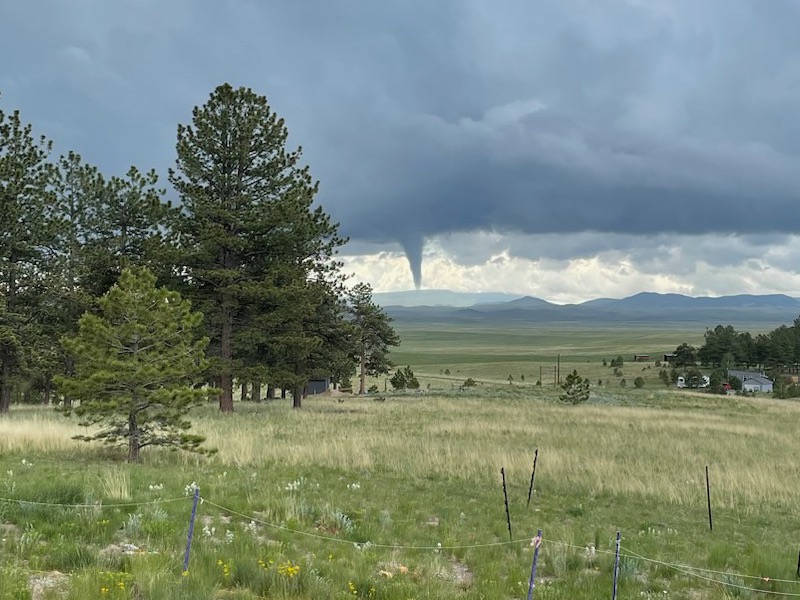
{"x": 251, "y": 527}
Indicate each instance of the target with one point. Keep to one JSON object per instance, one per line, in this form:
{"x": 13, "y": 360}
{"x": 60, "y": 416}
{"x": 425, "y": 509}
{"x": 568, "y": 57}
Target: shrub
{"x": 404, "y": 379}
{"x": 638, "y": 382}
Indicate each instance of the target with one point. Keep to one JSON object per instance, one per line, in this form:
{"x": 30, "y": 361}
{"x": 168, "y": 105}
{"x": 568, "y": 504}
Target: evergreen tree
{"x": 78, "y": 192}
{"x": 685, "y": 355}
{"x": 404, "y": 379}
{"x": 25, "y": 215}
{"x": 373, "y": 334}
{"x": 137, "y": 365}
{"x": 575, "y": 389}
{"x": 129, "y": 228}
{"x": 248, "y": 232}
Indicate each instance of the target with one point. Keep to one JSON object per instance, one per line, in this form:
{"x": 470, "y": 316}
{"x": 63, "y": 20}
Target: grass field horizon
{"x": 398, "y": 495}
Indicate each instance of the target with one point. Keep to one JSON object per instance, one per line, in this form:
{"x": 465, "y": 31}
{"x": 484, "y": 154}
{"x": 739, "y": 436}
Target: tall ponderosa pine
{"x": 78, "y": 193}
{"x": 25, "y": 206}
{"x": 373, "y": 334}
{"x": 249, "y": 234}
{"x": 130, "y": 224}
{"x": 137, "y": 366}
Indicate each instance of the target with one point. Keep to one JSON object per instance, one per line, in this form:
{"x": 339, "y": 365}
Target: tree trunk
{"x": 69, "y": 370}
{"x": 270, "y": 392}
{"x": 226, "y": 353}
{"x": 297, "y": 397}
{"x": 362, "y": 388}
{"x": 244, "y": 392}
{"x": 226, "y": 393}
{"x": 46, "y": 398}
{"x": 5, "y": 385}
{"x": 256, "y": 391}
{"x": 133, "y": 438}
{"x": 6, "y": 351}
{"x": 283, "y": 393}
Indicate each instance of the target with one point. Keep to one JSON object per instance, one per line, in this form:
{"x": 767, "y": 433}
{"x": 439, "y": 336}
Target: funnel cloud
{"x": 608, "y": 120}
{"x": 413, "y": 248}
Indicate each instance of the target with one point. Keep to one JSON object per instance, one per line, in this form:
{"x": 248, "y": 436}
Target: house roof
{"x": 759, "y": 379}
{"x": 752, "y": 376}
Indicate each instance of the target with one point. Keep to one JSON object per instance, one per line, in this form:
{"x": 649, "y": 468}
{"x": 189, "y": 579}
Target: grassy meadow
{"x": 399, "y": 496}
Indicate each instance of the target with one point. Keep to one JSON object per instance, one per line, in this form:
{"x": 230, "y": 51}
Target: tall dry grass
{"x": 656, "y": 451}
{"x": 37, "y": 430}
{"x": 652, "y": 451}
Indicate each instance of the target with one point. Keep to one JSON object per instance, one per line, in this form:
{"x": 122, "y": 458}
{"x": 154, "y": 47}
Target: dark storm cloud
{"x": 422, "y": 118}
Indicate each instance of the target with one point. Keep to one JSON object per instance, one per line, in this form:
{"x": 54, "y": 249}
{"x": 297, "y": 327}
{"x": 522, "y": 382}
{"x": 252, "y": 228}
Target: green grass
{"x": 490, "y": 353}
{"x": 351, "y": 499}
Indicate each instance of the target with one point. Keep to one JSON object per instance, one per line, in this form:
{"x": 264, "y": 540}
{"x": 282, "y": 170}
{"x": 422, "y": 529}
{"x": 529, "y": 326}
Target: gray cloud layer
{"x": 421, "y": 118}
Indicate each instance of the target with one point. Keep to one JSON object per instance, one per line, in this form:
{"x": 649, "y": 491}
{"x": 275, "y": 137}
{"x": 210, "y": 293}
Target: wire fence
{"x": 722, "y": 578}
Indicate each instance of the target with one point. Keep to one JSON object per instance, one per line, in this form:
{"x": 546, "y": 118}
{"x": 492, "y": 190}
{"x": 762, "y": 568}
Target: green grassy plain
{"x": 490, "y": 353}
{"x": 351, "y": 497}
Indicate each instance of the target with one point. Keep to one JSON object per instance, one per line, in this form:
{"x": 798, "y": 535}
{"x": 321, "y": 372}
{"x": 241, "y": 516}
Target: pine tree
{"x": 128, "y": 230}
{"x": 250, "y": 240}
{"x": 575, "y": 389}
{"x": 373, "y": 334}
{"x": 137, "y": 366}
{"x": 25, "y": 214}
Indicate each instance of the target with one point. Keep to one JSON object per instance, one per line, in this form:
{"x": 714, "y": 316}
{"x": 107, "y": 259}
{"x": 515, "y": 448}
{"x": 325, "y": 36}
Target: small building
{"x": 752, "y": 381}
{"x": 641, "y": 358}
{"x": 669, "y": 358}
{"x": 317, "y": 386}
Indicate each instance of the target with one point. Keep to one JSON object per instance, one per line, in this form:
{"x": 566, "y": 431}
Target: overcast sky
{"x": 566, "y": 149}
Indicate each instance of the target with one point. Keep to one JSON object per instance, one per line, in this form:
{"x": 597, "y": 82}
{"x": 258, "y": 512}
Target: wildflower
{"x": 293, "y": 486}
{"x": 251, "y": 527}
{"x": 209, "y": 531}
{"x": 228, "y": 536}
{"x": 185, "y": 573}
{"x": 288, "y": 569}
{"x": 10, "y": 473}
{"x": 153, "y": 487}
{"x": 354, "y": 486}
{"x": 226, "y": 570}
{"x": 190, "y": 489}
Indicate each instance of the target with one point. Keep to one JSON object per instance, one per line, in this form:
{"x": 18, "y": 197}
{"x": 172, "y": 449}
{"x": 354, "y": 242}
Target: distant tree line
{"x": 245, "y": 244}
{"x": 726, "y": 348}
{"x": 776, "y": 353}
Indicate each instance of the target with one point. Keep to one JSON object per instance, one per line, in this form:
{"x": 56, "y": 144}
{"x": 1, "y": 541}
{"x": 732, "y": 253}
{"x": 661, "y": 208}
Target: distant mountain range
{"x": 646, "y": 307}
{"x": 439, "y": 298}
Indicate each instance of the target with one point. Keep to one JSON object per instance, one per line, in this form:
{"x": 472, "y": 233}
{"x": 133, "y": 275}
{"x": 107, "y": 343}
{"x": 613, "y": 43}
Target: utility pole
{"x": 558, "y": 371}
